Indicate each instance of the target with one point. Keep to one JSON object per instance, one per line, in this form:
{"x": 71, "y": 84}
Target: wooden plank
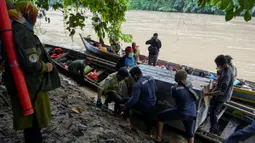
{"x": 222, "y": 112}
{"x": 100, "y": 72}
{"x": 230, "y": 128}
{"x": 206, "y": 126}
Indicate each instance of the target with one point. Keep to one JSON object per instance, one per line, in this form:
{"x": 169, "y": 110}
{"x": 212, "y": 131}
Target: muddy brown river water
{"x": 190, "y": 39}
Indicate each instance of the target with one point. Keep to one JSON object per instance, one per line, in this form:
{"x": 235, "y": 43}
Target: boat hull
{"x": 90, "y": 48}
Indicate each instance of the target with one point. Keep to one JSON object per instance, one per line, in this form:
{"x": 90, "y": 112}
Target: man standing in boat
{"x": 222, "y": 92}
{"x": 185, "y": 110}
{"x": 143, "y": 97}
{"x": 155, "y": 45}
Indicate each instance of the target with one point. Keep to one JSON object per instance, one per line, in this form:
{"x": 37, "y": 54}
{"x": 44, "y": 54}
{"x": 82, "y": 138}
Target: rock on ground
{"x": 75, "y": 119}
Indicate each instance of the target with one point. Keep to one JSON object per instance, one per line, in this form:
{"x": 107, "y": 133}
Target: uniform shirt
{"x": 184, "y": 100}
{"x": 77, "y": 65}
{"x": 143, "y": 94}
{"x": 111, "y": 83}
{"x": 225, "y": 84}
{"x": 129, "y": 81}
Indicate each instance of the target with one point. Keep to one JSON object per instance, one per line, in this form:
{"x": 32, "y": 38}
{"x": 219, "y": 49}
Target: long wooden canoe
{"x": 103, "y": 67}
{"x": 106, "y": 55}
{"x": 238, "y": 94}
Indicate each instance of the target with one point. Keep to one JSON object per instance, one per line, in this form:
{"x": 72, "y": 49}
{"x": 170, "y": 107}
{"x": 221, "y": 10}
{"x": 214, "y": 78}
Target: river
{"x": 189, "y": 39}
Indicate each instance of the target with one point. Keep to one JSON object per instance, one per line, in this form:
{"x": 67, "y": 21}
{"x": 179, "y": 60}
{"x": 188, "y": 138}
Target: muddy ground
{"x": 76, "y": 119}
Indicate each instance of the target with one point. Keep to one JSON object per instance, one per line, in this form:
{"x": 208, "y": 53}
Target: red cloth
{"x": 58, "y": 51}
{"x": 128, "y": 50}
{"x": 55, "y": 56}
{"x": 92, "y": 75}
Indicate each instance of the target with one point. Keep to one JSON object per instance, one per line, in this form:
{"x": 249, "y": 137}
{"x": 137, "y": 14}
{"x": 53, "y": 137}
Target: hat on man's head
{"x": 123, "y": 72}
{"x": 181, "y": 76}
{"x": 135, "y": 71}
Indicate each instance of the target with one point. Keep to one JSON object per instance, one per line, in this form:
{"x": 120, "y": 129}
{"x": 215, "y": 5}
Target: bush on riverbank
{"x": 188, "y": 6}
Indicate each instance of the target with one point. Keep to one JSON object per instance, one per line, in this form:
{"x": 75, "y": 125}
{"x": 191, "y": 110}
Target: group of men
{"x": 143, "y": 98}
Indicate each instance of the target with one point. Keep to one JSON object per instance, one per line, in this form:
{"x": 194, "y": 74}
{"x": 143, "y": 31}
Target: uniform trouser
{"x": 215, "y": 108}
{"x": 242, "y": 135}
{"x": 145, "y": 115}
{"x": 153, "y": 59}
{"x": 33, "y": 134}
{"x": 113, "y": 96}
{"x": 78, "y": 73}
{"x": 174, "y": 114}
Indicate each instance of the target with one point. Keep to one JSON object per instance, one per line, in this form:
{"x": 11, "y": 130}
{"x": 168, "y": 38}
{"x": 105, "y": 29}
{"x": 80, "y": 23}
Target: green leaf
{"x": 250, "y": 4}
{"x": 247, "y": 16}
{"x": 230, "y": 7}
{"x": 229, "y": 15}
{"x": 241, "y": 2}
{"x": 68, "y": 2}
{"x": 224, "y": 4}
{"x": 214, "y": 2}
{"x": 238, "y": 11}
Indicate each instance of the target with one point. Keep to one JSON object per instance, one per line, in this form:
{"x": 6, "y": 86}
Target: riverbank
{"x": 76, "y": 119}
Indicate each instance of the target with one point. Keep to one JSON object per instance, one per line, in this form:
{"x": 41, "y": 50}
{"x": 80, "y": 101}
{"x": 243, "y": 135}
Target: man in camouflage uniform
{"x": 112, "y": 88}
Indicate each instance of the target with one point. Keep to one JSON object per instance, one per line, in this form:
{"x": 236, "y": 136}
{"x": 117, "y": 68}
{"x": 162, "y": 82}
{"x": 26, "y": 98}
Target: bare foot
{"x": 127, "y": 126}
{"x": 155, "y": 138}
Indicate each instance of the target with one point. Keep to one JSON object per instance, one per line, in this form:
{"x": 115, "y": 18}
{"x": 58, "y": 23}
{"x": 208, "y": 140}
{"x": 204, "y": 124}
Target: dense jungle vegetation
{"x": 188, "y": 6}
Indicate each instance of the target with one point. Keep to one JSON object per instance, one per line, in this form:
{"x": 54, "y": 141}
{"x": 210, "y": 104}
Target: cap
{"x": 155, "y": 34}
{"x": 123, "y": 72}
{"x": 135, "y": 70}
{"x": 181, "y": 76}
{"x": 129, "y": 49}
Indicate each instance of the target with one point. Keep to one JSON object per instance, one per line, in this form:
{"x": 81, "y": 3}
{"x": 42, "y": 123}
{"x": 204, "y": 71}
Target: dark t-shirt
{"x": 185, "y": 102}
{"x": 154, "y": 47}
{"x": 225, "y": 84}
{"x": 143, "y": 94}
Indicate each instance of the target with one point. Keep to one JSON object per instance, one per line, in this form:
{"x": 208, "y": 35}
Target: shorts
{"x": 174, "y": 114}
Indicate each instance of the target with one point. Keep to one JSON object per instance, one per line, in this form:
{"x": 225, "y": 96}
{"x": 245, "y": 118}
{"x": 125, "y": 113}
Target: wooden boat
{"x": 89, "y": 46}
{"x": 103, "y": 67}
{"x": 238, "y": 94}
